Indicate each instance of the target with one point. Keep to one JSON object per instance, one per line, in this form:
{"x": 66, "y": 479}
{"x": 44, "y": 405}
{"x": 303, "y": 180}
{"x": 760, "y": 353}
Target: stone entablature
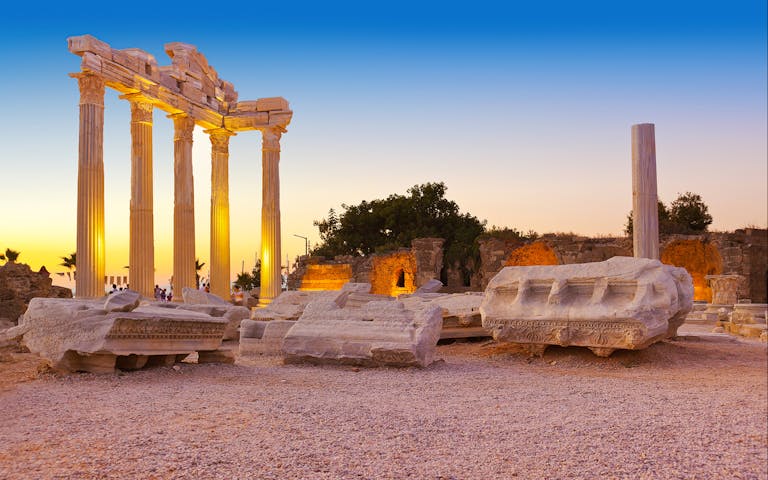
{"x": 189, "y": 85}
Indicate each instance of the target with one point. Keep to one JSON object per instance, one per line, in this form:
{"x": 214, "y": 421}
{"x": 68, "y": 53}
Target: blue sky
{"x": 524, "y": 110}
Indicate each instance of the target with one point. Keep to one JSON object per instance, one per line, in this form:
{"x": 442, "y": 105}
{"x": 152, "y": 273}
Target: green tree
{"x": 248, "y": 281}
{"x": 686, "y": 214}
{"x": 690, "y": 213}
{"x": 70, "y": 263}
{"x": 391, "y": 223}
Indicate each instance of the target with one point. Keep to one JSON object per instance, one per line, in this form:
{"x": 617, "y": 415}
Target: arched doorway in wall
{"x": 536, "y": 253}
{"x": 400, "y": 278}
{"x": 700, "y": 258}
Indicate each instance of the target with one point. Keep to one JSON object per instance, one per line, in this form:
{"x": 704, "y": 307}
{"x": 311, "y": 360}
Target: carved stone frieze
{"x": 622, "y": 303}
{"x": 91, "y": 88}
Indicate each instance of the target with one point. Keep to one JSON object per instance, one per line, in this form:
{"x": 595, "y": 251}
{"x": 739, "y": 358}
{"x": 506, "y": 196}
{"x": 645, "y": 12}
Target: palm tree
{"x": 10, "y": 255}
{"x": 70, "y": 264}
{"x": 198, "y": 266}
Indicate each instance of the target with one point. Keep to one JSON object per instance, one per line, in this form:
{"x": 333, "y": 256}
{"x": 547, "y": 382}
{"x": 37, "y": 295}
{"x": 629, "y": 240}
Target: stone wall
{"x": 326, "y": 277}
{"x": 19, "y": 284}
{"x": 744, "y": 252}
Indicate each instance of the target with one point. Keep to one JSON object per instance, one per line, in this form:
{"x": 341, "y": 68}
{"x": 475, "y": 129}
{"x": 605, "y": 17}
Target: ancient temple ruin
{"x": 190, "y": 91}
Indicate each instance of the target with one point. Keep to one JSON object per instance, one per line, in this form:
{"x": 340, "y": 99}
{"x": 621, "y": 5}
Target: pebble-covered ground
{"x": 691, "y": 408}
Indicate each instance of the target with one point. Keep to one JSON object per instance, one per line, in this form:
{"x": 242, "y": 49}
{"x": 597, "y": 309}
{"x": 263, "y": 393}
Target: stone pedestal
{"x": 645, "y": 213}
{"x": 271, "y": 279}
{"x": 141, "y": 257}
{"x": 90, "y": 188}
{"x": 219, "y": 260}
{"x": 184, "y": 207}
{"x": 725, "y": 288}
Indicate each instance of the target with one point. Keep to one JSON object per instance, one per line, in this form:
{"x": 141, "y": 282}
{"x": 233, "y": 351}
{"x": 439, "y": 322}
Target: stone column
{"x": 183, "y": 206}
{"x": 219, "y": 260}
{"x": 90, "y": 188}
{"x": 141, "y": 257}
{"x": 271, "y": 280}
{"x": 645, "y": 213}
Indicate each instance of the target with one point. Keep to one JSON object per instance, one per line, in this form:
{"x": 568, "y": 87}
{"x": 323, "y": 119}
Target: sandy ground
{"x": 695, "y": 407}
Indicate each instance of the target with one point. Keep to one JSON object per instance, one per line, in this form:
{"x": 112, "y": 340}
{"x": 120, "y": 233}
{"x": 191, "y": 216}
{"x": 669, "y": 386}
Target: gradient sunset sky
{"x": 523, "y": 110}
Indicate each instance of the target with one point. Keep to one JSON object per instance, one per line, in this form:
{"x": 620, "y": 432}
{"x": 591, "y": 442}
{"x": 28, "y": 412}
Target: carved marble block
{"x": 80, "y": 335}
{"x": 622, "y": 303}
{"x": 379, "y": 333}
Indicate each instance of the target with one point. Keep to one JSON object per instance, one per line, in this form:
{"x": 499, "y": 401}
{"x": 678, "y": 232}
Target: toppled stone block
{"x": 460, "y": 312}
{"x": 621, "y": 303}
{"x": 123, "y": 301}
{"x": 376, "y": 334}
{"x": 432, "y": 286}
{"x": 258, "y": 337}
{"x": 80, "y": 335}
{"x": 194, "y": 296}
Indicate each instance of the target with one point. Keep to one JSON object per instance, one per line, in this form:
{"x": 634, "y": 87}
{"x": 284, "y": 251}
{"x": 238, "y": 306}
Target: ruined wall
{"x": 19, "y": 284}
{"x": 326, "y": 277}
{"x": 700, "y": 257}
{"x": 744, "y": 252}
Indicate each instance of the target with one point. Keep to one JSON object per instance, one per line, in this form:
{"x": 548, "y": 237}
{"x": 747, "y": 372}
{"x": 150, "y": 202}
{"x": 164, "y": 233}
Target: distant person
{"x": 162, "y": 295}
{"x": 170, "y": 296}
{"x": 114, "y": 288}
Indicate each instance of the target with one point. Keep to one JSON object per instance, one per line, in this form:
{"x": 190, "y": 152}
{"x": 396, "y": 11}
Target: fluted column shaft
{"x": 219, "y": 260}
{"x": 90, "y": 188}
{"x": 271, "y": 278}
{"x": 183, "y": 207}
{"x": 141, "y": 257}
{"x": 645, "y": 213}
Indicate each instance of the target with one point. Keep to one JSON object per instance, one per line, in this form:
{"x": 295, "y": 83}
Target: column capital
{"x": 270, "y": 139}
{"x": 141, "y": 108}
{"x": 220, "y": 139}
{"x": 91, "y": 88}
{"x": 183, "y": 126}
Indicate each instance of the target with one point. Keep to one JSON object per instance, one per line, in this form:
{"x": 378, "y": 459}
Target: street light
{"x": 306, "y": 244}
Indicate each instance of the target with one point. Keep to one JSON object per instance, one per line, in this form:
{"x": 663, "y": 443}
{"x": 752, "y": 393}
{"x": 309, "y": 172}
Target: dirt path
{"x": 692, "y": 408}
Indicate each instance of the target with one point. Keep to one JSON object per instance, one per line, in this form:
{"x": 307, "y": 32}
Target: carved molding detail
{"x": 270, "y": 140}
{"x": 141, "y": 111}
{"x": 220, "y": 140}
{"x": 183, "y": 127}
{"x": 91, "y": 89}
{"x": 131, "y": 328}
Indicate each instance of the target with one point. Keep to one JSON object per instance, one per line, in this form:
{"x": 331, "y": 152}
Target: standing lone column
{"x": 141, "y": 257}
{"x": 271, "y": 278}
{"x": 645, "y": 213}
{"x": 90, "y": 188}
{"x": 183, "y": 206}
{"x": 220, "y": 212}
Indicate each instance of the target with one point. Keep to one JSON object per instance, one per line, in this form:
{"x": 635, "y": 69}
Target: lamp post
{"x": 306, "y": 244}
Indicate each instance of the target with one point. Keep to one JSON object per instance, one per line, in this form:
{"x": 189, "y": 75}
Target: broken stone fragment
{"x": 621, "y": 303}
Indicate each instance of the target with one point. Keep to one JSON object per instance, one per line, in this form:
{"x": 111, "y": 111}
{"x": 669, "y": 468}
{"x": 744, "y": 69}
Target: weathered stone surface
{"x": 431, "y": 286}
{"x": 290, "y": 305}
{"x": 194, "y": 296}
{"x": 376, "y": 334}
{"x": 258, "y": 337}
{"x": 725, "y": 288}
{"x": 622, "y": 303}
{"x": 81, "y": 335}
{"x": 19, "y": 284}
{"x": 234, "y": 316}
{"x": 124, "y": 301}
{"x": 460, "y": 312}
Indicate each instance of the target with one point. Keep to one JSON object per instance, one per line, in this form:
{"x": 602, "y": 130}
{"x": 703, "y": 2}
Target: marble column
{"x": 271, "y": 278}
{"x": 219, "y": 260}
{"x": 645, "y": 213}
{"x": 90, "y": 188}
{"x": 183, "y": 206}
{"x": 141, "y": 256}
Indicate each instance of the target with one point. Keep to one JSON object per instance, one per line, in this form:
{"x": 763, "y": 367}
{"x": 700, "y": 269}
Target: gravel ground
{"x": 692, "y": 408}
